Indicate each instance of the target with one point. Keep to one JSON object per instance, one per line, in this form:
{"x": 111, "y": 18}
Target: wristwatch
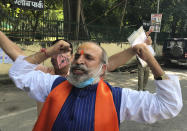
{"x": 162, "y": 77}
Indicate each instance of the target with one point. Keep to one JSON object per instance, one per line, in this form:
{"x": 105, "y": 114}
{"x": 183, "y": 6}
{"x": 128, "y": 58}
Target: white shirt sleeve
{"x": 25, "y": 77}
{"x": 142, "y": 106}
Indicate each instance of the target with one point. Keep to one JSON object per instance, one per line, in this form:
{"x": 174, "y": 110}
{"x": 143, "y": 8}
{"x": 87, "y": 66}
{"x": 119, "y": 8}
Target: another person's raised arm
{"x": 10, "y": 48}
{"x": 37, "y": 83}
{"x": 60, "y": 47}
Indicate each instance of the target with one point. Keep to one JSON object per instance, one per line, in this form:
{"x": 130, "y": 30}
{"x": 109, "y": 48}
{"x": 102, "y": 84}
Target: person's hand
{"x": 142, "y": 51}
{"x": 60, "y": 47}
{"x": 148, "y": 41}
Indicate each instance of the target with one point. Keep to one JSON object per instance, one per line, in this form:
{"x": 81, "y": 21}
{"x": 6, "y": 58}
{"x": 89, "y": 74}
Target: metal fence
{"x": 25, "y": 28}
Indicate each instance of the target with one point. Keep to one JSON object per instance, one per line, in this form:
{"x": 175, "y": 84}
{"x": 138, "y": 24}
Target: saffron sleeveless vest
{"x": 105, "y": 118}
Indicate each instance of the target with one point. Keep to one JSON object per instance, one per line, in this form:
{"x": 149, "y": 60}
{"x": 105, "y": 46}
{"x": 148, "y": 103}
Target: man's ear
{"x": 104, "y": 69}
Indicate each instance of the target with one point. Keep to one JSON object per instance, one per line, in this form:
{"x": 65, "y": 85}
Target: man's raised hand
{"x": 60, "y": 47}
{"x": 142, "y": 51}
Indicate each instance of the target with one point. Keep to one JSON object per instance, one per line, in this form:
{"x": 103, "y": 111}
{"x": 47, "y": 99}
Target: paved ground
{"x": 18, "y": 111}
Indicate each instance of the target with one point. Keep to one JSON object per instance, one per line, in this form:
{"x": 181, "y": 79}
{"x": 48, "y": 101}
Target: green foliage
{"x": 174, "y": 17}
{"x": 103, "y": 17}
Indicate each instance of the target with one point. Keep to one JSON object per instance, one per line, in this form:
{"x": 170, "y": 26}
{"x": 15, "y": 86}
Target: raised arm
{"x": 143, "y": 106}
{"x": 144, "y": 53}
{"x": 123, "y": 57}
{"x": 60, "y": 47}
{"x": 37, "y": 83}
{"x": 10, "y": 48}
{"x": 120, "y": 59}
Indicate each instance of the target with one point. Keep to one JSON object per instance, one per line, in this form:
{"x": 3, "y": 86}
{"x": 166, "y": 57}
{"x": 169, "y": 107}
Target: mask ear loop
{"x": 97, "y": 73}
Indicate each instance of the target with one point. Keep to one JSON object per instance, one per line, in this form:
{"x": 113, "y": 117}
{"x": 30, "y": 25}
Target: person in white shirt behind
{"x": 60, "y": 63}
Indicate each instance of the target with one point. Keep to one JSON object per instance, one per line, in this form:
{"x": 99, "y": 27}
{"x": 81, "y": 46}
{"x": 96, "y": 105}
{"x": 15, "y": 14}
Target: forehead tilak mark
{"x": 82, "y": 52}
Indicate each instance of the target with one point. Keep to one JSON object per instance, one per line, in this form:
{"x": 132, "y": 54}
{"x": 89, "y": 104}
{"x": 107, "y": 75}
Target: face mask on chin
{"x": 85, "y": 83}
{"x": 89, "y": 81}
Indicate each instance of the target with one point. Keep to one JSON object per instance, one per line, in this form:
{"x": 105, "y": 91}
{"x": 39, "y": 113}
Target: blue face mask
{"x": 85, "y": 83}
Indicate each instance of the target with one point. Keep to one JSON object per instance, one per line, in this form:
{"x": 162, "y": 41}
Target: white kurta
{"x": 135, "y": 105}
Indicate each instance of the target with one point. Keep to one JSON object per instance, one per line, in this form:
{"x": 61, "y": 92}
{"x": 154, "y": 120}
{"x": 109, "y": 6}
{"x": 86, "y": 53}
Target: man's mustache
{"x": 79, "y": 67}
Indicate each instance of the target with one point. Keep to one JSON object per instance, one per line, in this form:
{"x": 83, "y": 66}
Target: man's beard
{"x": 75, "y": 79}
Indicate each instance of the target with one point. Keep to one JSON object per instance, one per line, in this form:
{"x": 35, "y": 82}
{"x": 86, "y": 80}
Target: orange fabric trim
{"x": 106, "y": 118}
{"x": 52, "y": 107}
{"x": 105, "y": 112}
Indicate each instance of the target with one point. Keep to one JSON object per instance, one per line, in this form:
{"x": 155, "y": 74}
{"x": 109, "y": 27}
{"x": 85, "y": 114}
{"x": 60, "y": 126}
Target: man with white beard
{"x": 83, "y": 101}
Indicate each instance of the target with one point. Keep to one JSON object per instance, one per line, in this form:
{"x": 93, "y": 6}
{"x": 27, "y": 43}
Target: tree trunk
{"x": 35, "y": 25}
{"x": 85, "y": 29}
{"x": 123, "y": 15}
{"x": 67, "y": 18}
{"x": 78, "y": 19}
{"x": 72, "y": 17}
